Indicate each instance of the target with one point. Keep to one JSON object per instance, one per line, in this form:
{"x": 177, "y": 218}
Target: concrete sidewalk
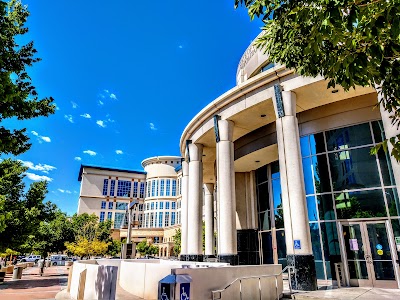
{"x": 350, "y": 293}
{"x": 33, "y": 286}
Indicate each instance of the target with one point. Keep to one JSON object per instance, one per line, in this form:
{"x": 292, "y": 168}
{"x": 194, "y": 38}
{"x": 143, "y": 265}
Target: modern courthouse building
{"x": 289, "y": 163}
{"x": 107, "y": 192}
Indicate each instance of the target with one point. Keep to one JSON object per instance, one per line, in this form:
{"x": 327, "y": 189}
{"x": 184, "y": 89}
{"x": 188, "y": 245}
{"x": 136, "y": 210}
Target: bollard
{"x": 2, "y": 275}
{"x": 17, "y": 274}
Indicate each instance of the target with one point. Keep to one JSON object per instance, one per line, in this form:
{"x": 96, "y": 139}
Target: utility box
{"x": 128, "y": 251}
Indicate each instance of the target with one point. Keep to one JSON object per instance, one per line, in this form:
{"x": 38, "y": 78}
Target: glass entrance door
{"x": 368, "y": 253}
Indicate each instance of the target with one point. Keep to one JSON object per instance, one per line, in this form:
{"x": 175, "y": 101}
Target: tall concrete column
{"x": 297, "y": 230}
{"x": 209, "y": 219}
{"x": 184, "y": 209}
{"x": 195, "y": 203}
{"x": 227, "y": 244}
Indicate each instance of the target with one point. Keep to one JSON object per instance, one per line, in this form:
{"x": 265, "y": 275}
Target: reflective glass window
{"x": 305, "y": 146}
{"x": 141, "y": 192}
{"x": 321, "y": 173}
{"x": 312, "y": 208}
{"x": 263, "y": 197}
{"x": 277, "y": 193}
{"x": 168, "y": 188}
{"x": 325, "y": 207}
{"x": 162, "y": 187}
{"x": 317, "y": 143}
{"x": 112, "y": 188}
{"x": 135, "y": 189}
{"x": 109, "y": 215}
{"x": 386, "y": 168}
{"x": 124, "y": 188}
{"x": 161, "y": 205}
{"x": 360, "y": 204}
{"x": 331, "y": 247}
{"x": 316, "y": 247}
{"x": 279, "y": 220}
{"x": 102, "y": 215}
{"x": 262, "y": 174}
{"x": 103, "y": 204}
{"x": 264, "y": 222}
{"x": 121, "y": 205}
{"x": 105, "y": 187}
{"x": 119, "y": 218}
{"x": 379, "y": 132}
{"x": 167, "y": 205}
{"x": 348, "y": 137}
{"x": 393, "y": 202}
{"x": 266, "y": 240}
{"x": 354, "y": 169}
{"x": 308, "y": 176}
{"x": 110, "y": 205}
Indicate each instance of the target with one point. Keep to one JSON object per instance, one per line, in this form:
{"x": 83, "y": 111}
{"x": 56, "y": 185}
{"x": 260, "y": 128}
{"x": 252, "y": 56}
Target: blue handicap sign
{"x": 379, "y": 247}
{"x": 297, "y": 244}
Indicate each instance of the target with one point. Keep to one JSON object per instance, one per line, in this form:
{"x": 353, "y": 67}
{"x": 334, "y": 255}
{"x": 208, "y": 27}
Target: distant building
{"x": 107, "y": 192}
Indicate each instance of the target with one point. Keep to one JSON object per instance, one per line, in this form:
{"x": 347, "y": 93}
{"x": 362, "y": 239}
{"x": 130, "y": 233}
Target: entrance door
{"x": 369, "y": 254}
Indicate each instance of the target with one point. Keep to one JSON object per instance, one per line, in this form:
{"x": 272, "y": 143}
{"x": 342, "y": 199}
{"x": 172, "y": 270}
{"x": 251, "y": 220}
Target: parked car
{"x": 31, "y": 258}
{"x": 58, "y": 259}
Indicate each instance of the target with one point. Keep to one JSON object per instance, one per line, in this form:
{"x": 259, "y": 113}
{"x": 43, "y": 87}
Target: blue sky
{"x": 127, "y": 76}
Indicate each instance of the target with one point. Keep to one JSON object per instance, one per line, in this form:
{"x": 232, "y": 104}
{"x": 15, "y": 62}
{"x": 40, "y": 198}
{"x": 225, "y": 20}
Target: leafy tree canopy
{"x": 350, "y": 42}
{"x": 18, "y": 97}
{"x": 146, "y": 249}
{"x": 22, "y": 212}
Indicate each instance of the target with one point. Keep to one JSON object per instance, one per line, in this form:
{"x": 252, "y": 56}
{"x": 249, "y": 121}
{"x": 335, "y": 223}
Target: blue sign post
{"x": 297, "y": 244}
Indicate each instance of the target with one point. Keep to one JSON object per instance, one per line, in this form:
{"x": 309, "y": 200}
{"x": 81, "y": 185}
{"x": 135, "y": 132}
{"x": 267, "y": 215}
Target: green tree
{"x": 114, "y": 248}
{"x": 146, "y": 249}
{"x": 18, "y": 97}
{"x": 22, "y": 211}
{"x": 177, "y": 242}
{"x": 51, "y": 236}
{"x": 350, "y": 42}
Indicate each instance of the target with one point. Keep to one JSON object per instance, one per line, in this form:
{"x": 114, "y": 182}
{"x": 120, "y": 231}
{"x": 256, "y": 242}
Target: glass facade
{"x": 105, "y": 187}
{"x": 119, "y": 218}
{"x": 102, "y": 215}
{"x": 343, "y": 181}
{"x": 142, "y": 187}
{"x": 135, "y": 189}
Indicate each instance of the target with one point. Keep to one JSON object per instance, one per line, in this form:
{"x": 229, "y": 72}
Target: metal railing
{"x": 217, "y": 294}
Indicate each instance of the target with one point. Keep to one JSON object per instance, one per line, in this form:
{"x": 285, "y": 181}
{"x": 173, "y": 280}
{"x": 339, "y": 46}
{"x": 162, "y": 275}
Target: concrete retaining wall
{"x": 100, "y": 281}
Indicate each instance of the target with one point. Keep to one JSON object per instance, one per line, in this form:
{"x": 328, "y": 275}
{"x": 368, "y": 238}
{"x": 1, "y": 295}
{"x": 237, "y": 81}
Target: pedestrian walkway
{"x": 350, "y": 293}
{"x": 33, "y": 286}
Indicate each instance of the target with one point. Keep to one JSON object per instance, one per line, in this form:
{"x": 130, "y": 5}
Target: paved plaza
{"x": 351, "y": 293}
{"x": 34, "y": 286}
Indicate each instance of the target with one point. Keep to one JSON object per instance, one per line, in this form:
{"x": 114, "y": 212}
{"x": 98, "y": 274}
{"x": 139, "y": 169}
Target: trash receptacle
{"x": 17, "y": 274}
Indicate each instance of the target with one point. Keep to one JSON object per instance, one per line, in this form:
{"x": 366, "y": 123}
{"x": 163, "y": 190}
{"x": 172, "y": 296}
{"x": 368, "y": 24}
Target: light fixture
{"x": 335, "y": 91}
{"x": 263, "y": 116}
{"x": 257, "y": 161}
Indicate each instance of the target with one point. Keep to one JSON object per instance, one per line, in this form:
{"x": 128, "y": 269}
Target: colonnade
{"x": 192, "y": 201}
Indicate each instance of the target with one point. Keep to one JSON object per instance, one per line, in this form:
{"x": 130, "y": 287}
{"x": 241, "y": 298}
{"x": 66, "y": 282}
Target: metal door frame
{"x": 370, "y": 268}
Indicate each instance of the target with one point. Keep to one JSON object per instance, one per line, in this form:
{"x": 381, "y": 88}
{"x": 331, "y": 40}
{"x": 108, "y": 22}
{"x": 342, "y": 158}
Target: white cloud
{"x": 119, "y": 152}
{"x": 77, "y": 158}
{"x": 41, "y": 137}
{"x": 36, "y": 177}
{"x": 44, "y": 168}
{"x": 180, "y": 46}
{"x": 100, "y": 123}
{"x": 107, "y": 94}
{"x": 69, "y": 118}
{"x": 61, "y": 191}
{"x": 86, "y": 116}
{"x": 68, "y": 192}
{"x": 90, "y": 152}
{"x": 75, "y": 192}
{"x": 46, "y": 139}
{"x": 57, "y": 108}
{"x": 74, "y": 105}
{"x": 152, "y": 126}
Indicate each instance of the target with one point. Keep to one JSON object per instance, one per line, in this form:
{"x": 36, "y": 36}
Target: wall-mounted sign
{"x": 297, "y": 244}
{"x": 380, "y": 252}
{"x": 353, "y": 244}
{"x": 379, "y": 247}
